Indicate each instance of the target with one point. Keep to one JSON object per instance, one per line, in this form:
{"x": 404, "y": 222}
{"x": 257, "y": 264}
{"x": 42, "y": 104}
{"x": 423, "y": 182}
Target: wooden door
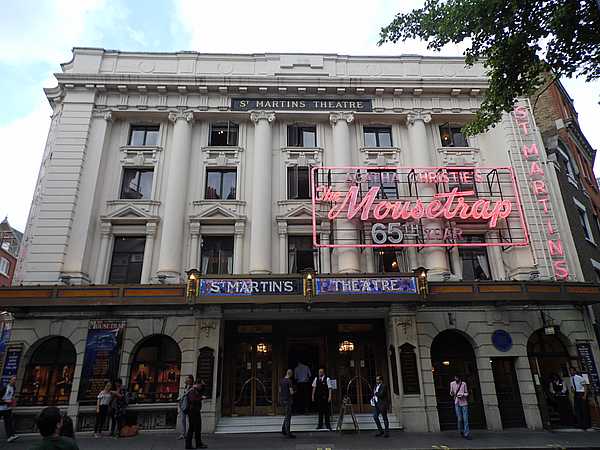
{"x": 253, "y": 379}
{"x": 507, "y": 391}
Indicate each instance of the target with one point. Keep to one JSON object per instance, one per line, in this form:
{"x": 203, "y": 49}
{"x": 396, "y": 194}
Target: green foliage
{"x": 518, "y": 41}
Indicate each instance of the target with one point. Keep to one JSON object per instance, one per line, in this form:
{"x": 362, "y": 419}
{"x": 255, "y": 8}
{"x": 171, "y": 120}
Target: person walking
{"x": 7, "y": 401}
{"x": 302, "y": 376}
{"x": 321, "y": 395}
{"x": 102, "y": 408}
{"x": 120, "y": 400}
{"x": 50, "y": 424}
{"x": 184, "y": 406}
{"x": 379, "y": 402}
{"x": 194, "y": 399}
{"x": 286, "y": 397}
{"x": 460, "y": 394}
{"x": 580, "y": 403}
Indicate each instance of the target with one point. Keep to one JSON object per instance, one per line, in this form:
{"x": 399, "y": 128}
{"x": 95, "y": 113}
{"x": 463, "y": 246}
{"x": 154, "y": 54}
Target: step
{"x": 272, "y": 424}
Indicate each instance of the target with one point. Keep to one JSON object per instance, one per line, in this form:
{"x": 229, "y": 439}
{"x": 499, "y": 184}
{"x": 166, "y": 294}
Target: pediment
{"x": 218, "y": 213}
{"x": 129, "y": 213}
{"x": 299, "y": 214}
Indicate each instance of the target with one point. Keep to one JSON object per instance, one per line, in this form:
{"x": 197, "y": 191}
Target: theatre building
{"x": 229, "y": 216}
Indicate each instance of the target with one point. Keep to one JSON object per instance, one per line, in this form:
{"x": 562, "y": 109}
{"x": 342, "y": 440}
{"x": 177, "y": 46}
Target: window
{"x": 475, "y": 265}
{"x": 584, "y": 221}
{"x": 451, "y": 136}
{"x": 224, "y": 134}
{"x": 567, "y": 163}
{"x": 137, "y": 184}
{"x": 4, "y": 266}
{"x": 298, "y": 184}
{"x": 221, "y": 184}
{"x": 301, "y": 254}
{"x": 49, "y": 374}
{"x": 378, "y": 136}
{"x": 144, "y": 135}
{"x": 127, "y": 260}
{"x": 217, "y": 255}
{"x": 596, "y": 267}
{"x": 301, "y": 136}
{"x": 388, "y": 260}
{"x": 388, "y": 189}
{"x": 463, "y": 180}
{"x": 155, "y": 370}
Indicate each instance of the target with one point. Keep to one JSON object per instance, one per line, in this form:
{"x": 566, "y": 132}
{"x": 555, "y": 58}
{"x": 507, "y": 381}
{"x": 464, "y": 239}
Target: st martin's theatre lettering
{"x": 297, "y": 104}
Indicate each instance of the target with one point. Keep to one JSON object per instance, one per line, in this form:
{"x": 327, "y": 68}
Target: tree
{"x": 518, "y": 42}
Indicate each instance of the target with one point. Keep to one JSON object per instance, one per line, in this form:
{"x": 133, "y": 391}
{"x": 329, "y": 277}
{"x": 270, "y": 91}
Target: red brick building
{"x": 10, "y": 242}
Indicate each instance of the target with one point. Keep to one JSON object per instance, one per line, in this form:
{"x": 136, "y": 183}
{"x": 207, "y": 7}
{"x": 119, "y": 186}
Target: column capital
{"x": 412, "y": 117}
{"x": 108, "y": 116}
{"x": 239, "y": 227}
{"x": 195, "y": 228}
{"x": 151, "y": 229}
{"x": 175, "y": 116}
{"x": 282, "y": 228}
{"x": 336, "y": 116}
{"x": 256, "y": 116}
{"x": 105, "y": 229}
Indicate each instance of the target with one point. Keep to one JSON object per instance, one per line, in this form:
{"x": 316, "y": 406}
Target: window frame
{"x": 300, "y": 136}
{"x": 382, "y": 194}
{"x": 145, "y": 128}
{"x": 295, "y": 169}
{"x": 570, "y": 167}
{"x": 5, "y": 261}
{"x": 139, "y": 169}
{"x": 377, "y": 129}
{"x": 112, "y": 257}
{"x": 295, "y": 251}
{"x": 584, "y": 221}
{"x": 230, "y": 125}
{"x": 473, "y": 251}
{"x": 221, "y": 254}
{"x": 221, "y": 171}
{"x": 452, "y": 128}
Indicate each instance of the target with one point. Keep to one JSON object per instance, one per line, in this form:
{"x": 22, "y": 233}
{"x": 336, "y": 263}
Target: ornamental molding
{"x": 180, "y": 115}
{"x": 339, "y": 116}
{"x": 256, "y": 116}
{"x": 413, "y": 117}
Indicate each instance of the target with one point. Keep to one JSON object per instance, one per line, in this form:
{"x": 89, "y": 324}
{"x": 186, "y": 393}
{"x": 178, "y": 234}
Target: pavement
{"x": 518, "y": 439}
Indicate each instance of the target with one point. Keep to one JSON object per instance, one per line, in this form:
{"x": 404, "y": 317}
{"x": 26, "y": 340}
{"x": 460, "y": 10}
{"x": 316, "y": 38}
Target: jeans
{"x": 8, "y": 422}
{"x": 101, "y": 416}
{"x": 287, "y": 422}
{"x": 184, "y": 423}
{"x": 462, "y": 414}
{"x": 116, "y": 422}
{"x": 383, "y": 411}
{"x": 582, "y": 412}
{"x": 194, "y": 430}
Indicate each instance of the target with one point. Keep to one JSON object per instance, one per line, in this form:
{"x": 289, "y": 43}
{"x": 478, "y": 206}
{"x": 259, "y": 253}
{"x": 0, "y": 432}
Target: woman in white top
{"x": 102, "y": 406}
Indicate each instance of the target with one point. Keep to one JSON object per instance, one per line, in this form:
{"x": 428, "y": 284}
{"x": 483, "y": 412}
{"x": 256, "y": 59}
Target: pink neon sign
{"x": 419, "y": 207}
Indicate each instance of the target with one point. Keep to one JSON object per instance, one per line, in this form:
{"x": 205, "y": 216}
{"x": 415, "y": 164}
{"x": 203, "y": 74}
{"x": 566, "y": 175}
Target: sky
{"x": 37, "y": 35}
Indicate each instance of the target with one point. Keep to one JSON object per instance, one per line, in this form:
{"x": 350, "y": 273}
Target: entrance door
{"x": 452, "y": 354}
{"x": 309, "y": 352}
{"x": 507, "y": 391}
{"x": 253, "y": 378}
{"x": 358, "y": 363}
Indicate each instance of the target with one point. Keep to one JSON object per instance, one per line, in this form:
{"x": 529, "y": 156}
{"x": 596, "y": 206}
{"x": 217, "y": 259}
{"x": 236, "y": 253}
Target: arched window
{"x": 49, "y": 373}
{"x": 155, "y": 370}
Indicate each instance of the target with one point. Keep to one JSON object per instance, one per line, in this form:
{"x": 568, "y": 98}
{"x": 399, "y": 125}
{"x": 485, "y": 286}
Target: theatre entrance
{"x": 257, "y": 355}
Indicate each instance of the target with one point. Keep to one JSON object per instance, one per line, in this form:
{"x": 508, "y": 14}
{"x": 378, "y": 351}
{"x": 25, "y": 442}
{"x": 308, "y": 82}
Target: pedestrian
{"x": 559, "y": 398}
{"x": 102, "y": 408}
{"x": 380, "y": 406}
{"x": 286, "y": 397}
{"x": 7, "y": 401}
{"x": 321, "y": 396}
{"x": 118, "y": 409}
{"x": 67, "y": 429}
{"x": 183, "y": 406}
{"x": 460, "y": 394}
{"x": 580, "y": 403}
{"x": 302, "y": 377}
{"x": 50, "y": 423}
{"x": 194, "y": 398}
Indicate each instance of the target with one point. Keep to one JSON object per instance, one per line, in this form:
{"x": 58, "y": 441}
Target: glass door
{"x": 253, "y": 378}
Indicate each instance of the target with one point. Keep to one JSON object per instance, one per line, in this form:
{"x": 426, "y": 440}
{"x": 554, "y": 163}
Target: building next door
{"x": 249, "y": 389}
{"x": 507, "y": 391}
{"x": 452, "y": 354}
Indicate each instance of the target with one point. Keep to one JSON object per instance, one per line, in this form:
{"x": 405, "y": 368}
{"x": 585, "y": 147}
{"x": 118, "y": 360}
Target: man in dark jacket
{"x": 380, "y": 406}
{"x": 321, "y": 395}
{"x": 195, "y": 397}
{"x": 286, "y": 397}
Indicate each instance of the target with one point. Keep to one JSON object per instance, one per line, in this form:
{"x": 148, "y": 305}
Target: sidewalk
{"x": 521, "y": 439}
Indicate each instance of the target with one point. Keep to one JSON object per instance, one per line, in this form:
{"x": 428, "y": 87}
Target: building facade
{"x": 10, "y": 242}
{"x": 297, "y": 195}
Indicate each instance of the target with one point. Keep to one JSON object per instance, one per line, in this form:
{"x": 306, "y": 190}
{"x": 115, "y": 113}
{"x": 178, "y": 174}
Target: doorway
{"x": 304, "y": 356}
{"x": 452, "y": 354}
{"x": 508, "y": 393}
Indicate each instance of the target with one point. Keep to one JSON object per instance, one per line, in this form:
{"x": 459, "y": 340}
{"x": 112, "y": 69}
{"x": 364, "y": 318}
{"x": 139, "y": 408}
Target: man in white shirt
{"x": 302, "y": 376}
{"x": 460, "y": 394}
{"x": 580, "y": 403}
{"x": 6, "y": 404}
{"x": 321, "y": 396}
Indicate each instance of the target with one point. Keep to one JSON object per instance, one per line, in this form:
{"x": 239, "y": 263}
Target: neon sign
{"x": 539, "y": 189}
{"x": 419, "y": 207}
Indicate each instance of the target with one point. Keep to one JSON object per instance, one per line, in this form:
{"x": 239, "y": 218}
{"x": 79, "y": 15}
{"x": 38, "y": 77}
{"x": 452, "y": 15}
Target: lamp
{"x": 193, "y": 283}
{"x": 346, "y": 346}
{"x": 420, "y": 274}
{"x": 308, "y": 284}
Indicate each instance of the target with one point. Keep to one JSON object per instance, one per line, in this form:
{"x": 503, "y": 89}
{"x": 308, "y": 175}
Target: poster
{"x": 11, "y": 363}
{"x": 102, "y": 357}
{"x": 5, "y": 331}
{"x": 588, "y": 365}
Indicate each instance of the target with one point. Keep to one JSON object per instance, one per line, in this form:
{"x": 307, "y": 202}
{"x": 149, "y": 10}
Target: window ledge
{"x": 222, "y": 148}
{"x": 591, "y": 241}
{"x": 380, "y": 149}
{"x": 141, "y": 148}
{"x": 289, "y": 149}
{"x": 217, "y": 201}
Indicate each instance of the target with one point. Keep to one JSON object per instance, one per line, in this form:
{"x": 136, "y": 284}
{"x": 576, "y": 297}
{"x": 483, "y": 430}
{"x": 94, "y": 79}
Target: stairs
{"x": 272, "y": 424}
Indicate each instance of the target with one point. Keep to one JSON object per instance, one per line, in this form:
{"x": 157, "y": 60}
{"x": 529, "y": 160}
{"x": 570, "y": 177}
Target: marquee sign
{"x": 366, "y": 285}
{"x": 250, "y": 286}
{"x": 301, "y": 104}
{"x": 418, "y": 206}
